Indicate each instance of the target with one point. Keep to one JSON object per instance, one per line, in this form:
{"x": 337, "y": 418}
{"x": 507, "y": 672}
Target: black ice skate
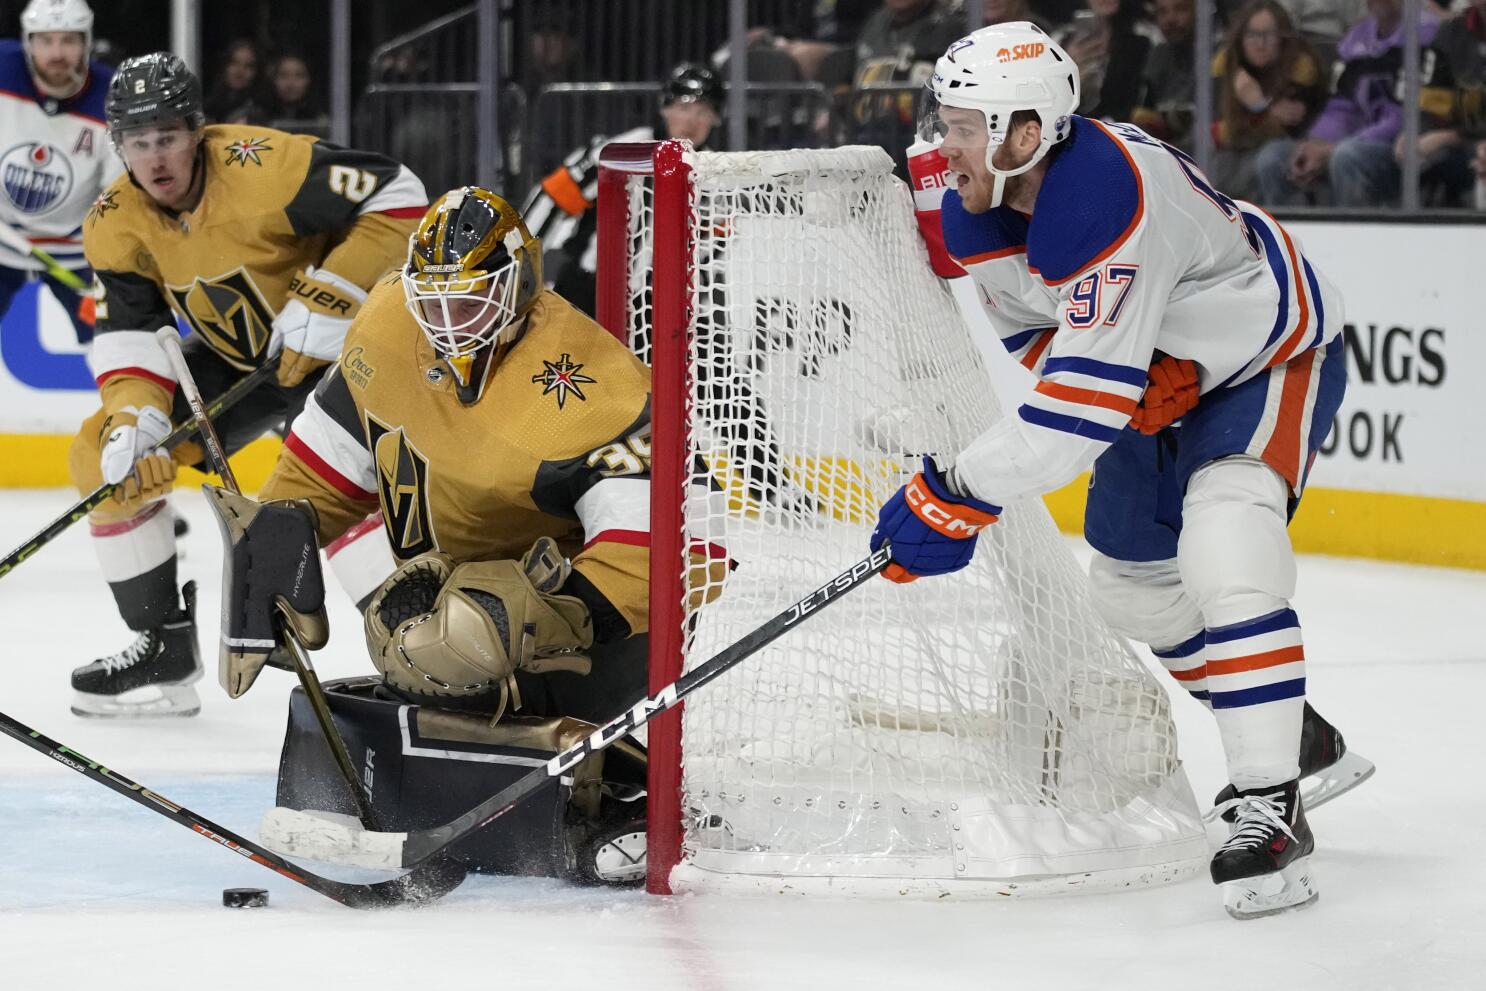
{"x": 1264, "y": 866}
{"x": 149, "y": 678}
{"x": 1327, "y": 768}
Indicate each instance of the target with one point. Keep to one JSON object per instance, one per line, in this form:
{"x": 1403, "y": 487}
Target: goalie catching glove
{"x": 312, "y": 325}
{"x": 932, "y": 530}
{"x": 437, "y": 628}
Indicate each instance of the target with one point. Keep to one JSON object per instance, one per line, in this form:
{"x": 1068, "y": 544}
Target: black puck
{"x": 245, "y": 897}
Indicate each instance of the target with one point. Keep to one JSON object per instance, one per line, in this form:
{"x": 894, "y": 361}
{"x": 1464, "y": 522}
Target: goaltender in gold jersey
{"x": 506, "y": 438}
{"x": 264, "y": 243}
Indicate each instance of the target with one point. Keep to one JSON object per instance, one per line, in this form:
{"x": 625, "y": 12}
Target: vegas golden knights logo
{"x": 402, "y": 483}
{"x": 230, "y": 315}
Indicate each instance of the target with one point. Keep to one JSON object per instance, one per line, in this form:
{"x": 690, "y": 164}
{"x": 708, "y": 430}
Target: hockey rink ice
{"x": 98, "y": 893}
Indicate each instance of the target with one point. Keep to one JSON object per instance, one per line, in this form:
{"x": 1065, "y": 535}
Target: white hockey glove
{"x": 133, "y": 459}
{"x": 313, "y": 323}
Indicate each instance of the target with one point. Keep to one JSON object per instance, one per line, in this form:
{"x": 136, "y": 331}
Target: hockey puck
{"x": 245, "y": 897}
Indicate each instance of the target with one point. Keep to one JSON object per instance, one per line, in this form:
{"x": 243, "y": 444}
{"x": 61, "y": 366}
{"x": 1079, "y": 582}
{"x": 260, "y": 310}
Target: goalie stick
{"x": 419, "y": 887}
{"x": 314, "y": 837}
{"x": 54, "y": 529}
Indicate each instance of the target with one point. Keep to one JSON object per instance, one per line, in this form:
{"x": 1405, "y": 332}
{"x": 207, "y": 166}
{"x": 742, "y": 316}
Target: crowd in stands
{"x": 1306, "y": 93}
{"x": 244, "y": 87}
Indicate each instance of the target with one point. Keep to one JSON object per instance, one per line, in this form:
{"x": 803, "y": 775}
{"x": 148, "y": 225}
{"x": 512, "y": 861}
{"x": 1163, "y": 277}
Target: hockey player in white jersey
{"x": 1141, "y": 296}
{"x": 55, "y": 156}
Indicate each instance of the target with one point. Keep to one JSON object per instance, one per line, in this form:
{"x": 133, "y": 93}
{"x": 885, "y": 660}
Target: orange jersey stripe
{"x": 1283, "y": 452}
{"x": 1256, "y": 662}
{"x": 985, "y": 256}
{"x": 1191, "y": 674}
{"x": 1089, "y": 397}
{"x": 1029, "y": 360}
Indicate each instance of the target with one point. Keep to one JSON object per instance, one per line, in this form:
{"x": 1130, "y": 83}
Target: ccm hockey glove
{"x": 313, "y": 323}
{"x": 932, "y": 530}
{"x": 1171, "y": 393}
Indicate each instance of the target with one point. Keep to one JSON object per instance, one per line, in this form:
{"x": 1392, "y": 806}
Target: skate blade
{"x": 1286, "y": 889}
{"x": 1338, "y": 779}
{"x": 147, "y": 702}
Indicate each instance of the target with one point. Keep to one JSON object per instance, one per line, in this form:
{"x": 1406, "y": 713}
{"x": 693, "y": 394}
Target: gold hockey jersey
{"x": 272, "y": 203}
{"x": 559, "y": 445}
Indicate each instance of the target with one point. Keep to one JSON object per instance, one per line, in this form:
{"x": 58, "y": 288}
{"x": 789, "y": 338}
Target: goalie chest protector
{"x": 425, "y": 766}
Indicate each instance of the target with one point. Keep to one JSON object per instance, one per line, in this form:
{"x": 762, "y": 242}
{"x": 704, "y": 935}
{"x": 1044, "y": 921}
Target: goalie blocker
{"x": 422, "y": 765}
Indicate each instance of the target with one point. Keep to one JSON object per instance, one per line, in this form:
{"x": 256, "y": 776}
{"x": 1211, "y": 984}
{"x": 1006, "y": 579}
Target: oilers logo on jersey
{"x": 36, "y": 177}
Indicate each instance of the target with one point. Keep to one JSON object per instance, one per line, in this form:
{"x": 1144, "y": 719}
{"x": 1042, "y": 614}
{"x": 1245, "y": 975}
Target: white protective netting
{"x": 978, "y": 732}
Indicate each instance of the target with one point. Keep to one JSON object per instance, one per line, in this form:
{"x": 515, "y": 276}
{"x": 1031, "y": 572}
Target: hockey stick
{"x": 420, "y": 887}
{"x": 21, "y": 245}
{"x": 304, "y": 834}
{"x": 170, "y": 342}
{"x": 54, "y": 529}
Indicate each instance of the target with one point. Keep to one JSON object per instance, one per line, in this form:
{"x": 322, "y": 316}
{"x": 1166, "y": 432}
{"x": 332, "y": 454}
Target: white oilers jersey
{"x": 1128, "y": 252}
{"x": 55, "y": 159}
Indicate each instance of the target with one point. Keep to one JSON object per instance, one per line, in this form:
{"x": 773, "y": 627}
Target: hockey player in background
{"x": 1141, "y": 296}
{"x": 54, "y": 155}
{"x": 265, "y": 243}
{"x": 560, "y": 209}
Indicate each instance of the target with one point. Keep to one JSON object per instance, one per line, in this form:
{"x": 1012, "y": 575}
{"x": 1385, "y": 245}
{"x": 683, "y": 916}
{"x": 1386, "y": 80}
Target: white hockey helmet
{"x": 57, "y": 15}
{"x": 1000, "y": 70}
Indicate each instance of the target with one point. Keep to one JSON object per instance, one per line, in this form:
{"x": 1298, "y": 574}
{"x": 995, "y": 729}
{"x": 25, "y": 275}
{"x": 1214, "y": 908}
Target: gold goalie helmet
{"x": 473, "y": 273}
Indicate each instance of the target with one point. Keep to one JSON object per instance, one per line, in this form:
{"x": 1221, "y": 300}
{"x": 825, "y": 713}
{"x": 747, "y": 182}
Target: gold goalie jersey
{"x": 559, "y": 445}
{"x": 271, "y": 204}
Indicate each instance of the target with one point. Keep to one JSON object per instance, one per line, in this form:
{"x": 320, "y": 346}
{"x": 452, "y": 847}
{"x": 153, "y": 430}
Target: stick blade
{"x": 330, "y": 838}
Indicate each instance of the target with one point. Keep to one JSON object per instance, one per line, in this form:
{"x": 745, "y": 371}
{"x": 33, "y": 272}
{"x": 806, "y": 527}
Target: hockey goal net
{"x": 980, "y": 733}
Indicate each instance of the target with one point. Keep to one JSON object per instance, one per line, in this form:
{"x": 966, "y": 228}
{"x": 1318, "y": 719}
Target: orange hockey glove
{"x": 1171, "y": 393}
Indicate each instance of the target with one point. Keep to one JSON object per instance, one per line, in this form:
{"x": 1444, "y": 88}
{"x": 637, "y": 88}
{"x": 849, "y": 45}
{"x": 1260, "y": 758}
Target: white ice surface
{"x": 97, "y": 893}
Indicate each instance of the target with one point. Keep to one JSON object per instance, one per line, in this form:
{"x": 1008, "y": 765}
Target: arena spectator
{"x": 292, "y": 104}
{"x": 236, "y": 92}
{"x": 1453, "y": 99}
{"x": 1347, "y": 155}
{"x": 1165, "y": 108}
{"x": 1478, "y": 166}
{"x": 899, "y": 45}
{"x": 1110, "y": 44}
{"x": 1006, "y": 11}
{"x": 1269, "y": 87}
{"x": 1323, "y": 22}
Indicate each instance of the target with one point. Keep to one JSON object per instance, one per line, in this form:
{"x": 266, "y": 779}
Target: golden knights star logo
{"x": 104, "y": 203}
{"x": 562, "y": 377}
{"x": 229, "y": 313}
{"x": 402, "y": 484}
{"x": 246, "y": 150}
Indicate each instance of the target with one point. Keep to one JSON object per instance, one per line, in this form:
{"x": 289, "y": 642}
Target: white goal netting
{"x": 983, "y": 731}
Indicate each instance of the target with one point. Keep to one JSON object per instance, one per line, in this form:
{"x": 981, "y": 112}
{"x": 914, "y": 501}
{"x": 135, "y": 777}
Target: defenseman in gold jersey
{"x": 490, "y": 420}
{"x": 264, "y": 243}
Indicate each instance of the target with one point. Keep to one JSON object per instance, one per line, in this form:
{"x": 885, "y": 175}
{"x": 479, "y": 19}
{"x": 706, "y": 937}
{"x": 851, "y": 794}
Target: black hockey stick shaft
{"x": 419, "y": 887}
{"x": 54, "y": 529}
{"x": 420, "y": 845}
{"x": 171, "y": 343}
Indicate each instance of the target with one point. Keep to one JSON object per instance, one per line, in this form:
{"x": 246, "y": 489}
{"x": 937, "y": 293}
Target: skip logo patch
{"x": 1018, "y": 52}
{"x": 563, "y": 377}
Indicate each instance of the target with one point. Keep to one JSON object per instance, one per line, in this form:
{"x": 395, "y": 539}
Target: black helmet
{"x": 690, "y": 82}
{"x": 152, "y": 89}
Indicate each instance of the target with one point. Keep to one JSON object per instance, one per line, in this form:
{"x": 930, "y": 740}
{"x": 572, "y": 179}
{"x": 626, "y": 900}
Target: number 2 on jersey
{"x": 1086, "y": 302}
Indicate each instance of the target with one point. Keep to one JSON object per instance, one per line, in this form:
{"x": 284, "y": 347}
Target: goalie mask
{"x": 998, "y": 71}
{"x": 474, "y": 272}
